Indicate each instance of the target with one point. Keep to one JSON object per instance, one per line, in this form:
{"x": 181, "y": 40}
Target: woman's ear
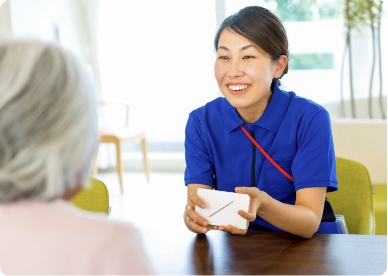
{"x": 280, "y": 64}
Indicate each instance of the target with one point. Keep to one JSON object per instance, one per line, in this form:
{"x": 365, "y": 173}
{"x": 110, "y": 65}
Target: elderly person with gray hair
{"x": 48, "y": 134}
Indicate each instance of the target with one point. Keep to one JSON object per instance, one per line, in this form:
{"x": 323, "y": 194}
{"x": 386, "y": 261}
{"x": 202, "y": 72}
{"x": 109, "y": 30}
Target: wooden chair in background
{"x": 119, "y": 136}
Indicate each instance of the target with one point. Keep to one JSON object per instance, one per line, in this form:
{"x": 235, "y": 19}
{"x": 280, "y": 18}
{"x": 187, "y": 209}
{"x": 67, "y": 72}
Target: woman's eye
{"x": 223, "y": 57}
{"x": 247, "y": 57}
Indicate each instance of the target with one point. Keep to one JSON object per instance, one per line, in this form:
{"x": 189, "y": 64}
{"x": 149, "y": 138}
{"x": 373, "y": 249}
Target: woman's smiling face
{"x": 244, "y": 74}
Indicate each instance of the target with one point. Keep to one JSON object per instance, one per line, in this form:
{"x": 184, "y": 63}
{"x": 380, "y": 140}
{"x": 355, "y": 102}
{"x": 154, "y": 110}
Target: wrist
{"x": 264, "y": 198}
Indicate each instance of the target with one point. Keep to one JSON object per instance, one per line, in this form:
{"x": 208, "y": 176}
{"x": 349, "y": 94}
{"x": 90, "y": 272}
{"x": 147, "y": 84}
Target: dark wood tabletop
{"x": 178, "y": 251}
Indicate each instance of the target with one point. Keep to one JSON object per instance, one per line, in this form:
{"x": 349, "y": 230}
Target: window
{"x": 315, "y": 45}
{"x": 316, "y": 36}
{"x": 158, "y": 56}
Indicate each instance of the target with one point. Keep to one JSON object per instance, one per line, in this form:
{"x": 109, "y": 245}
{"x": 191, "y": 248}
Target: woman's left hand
{"x": 254, "y": 204}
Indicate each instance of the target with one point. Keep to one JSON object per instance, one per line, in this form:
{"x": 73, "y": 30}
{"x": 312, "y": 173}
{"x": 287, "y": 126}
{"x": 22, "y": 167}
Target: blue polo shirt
{"x": 294, "y": 131}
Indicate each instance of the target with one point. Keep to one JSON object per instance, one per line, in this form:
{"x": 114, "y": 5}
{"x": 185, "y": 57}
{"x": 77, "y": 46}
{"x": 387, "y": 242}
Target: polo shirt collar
{"x": 271, "y": 119}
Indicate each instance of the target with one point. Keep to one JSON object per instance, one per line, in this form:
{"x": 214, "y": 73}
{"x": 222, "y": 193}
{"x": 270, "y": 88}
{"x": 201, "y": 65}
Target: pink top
{"x": 57, "y": 238}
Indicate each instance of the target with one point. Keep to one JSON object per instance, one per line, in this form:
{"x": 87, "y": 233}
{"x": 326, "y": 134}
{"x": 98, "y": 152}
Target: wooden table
{"x": 178, "y": 251}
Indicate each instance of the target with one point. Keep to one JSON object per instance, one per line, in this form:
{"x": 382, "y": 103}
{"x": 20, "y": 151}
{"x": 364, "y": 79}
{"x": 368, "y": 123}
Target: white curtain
{"x": 5, "y": 18}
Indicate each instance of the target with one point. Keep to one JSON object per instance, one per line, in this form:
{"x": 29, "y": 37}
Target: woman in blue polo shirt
{"x": 252, "y": 54}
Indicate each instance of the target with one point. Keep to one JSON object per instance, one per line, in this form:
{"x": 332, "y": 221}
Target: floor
{"x": 159, "y": 202}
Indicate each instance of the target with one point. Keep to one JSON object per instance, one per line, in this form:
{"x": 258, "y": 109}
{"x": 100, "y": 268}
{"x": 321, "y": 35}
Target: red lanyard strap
{"x": 266, "y": 155}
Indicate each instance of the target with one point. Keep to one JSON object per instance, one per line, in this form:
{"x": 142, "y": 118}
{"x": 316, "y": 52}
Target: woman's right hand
{"x": 193, "y": 221}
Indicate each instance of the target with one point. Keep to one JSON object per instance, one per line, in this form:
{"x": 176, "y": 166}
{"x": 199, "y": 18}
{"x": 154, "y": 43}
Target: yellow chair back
{"x": 354, "y": 197}
{"x": 94, "y": 198}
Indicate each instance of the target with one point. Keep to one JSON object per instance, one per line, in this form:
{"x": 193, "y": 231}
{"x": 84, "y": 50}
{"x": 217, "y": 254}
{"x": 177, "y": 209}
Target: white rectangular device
{"x": 222, "y": 207}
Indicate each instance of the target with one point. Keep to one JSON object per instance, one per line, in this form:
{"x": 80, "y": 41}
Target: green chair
{"x": 380, "y": 208}
{"x": 353, "y": 199}
{"x": 94, "y": 198}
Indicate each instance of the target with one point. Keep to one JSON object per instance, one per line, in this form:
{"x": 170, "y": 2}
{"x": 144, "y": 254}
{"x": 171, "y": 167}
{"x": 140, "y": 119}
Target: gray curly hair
{"x": 48, "y": 124}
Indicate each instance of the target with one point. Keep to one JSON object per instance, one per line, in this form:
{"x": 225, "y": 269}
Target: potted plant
{"x": 359, "y": 14}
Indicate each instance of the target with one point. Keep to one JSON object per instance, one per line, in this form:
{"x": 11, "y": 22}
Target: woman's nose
{"x": 235, "y": 70}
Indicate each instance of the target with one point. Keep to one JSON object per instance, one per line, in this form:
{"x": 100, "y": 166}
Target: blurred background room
{"x": 156, "y": 59}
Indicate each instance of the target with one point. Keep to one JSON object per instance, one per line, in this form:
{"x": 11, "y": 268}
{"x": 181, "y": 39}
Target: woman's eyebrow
{"x": 247, "y": 46}
{"x": 242, "y": 49}
{"x": 223, "y": 47}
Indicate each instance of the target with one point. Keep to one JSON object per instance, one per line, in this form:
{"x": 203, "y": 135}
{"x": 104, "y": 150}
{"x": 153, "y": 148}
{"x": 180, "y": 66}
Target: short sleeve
{"x": 314, "y": 163}
{"x": 199, "y": 168}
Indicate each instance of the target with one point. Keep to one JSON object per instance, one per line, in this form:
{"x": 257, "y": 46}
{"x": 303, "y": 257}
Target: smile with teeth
{"x": 238, "y": 87}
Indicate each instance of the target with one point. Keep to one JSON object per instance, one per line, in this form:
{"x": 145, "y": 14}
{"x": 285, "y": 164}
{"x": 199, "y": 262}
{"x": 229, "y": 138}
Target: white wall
{"x": 368, "y": 146}
{"x": 37, "y": 19}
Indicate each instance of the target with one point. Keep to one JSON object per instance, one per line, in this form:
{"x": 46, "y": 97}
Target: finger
{"x": 244, "y": 190}
{"x": 196, "y": 200}
{"x": 235, "y": 230}
{"x": 194, "y": 226}
{"x": 230, "y": 229}
{"x": 247, "y": 216}
{"x": 222, "y": 228}
{"x": 190, "y": 212}
{"x": 187, "y": 208}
